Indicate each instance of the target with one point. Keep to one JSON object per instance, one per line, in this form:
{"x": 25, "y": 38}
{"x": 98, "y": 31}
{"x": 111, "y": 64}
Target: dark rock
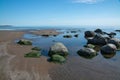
{"x": 67, "y": 36}
{"x": 111, "y": 35}
{"x": 76, "y": 35}
{"x": 115, "y": 41}
{"x": 108, "y": 49}
{"x": 99, "y": 31}
{"x": 108, "y": 56}
{"x": 89, "y": 34}
{"x": 97, "y": 40}
{"x": 87, "y": 52}
{"x": 59, "y": 49}
{"x": 117, "y": 30}
{"x": 24, "y": 42}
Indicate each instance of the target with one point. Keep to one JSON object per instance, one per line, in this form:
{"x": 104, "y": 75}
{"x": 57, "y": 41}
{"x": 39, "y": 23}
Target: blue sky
{"x": 60, "y": 12}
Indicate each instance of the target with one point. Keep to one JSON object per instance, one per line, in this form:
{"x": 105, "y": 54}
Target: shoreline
{"x": 14, "y": 65}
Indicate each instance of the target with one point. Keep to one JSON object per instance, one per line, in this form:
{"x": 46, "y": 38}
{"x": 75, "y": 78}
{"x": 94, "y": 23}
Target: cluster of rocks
{"x": 106, "y": 41}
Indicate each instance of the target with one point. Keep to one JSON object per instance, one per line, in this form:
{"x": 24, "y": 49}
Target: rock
{"x": 99, "y": 31}
{"x": 89, "y": 34}
{"x": 24, "y": 42}
{"x": 58, "y": 48}
{"x": 76, "y": 35}
{"x": 117, "y": 30}
{"x": 115, "y": 41}
{"x": 36, "y": 48}
{"x": 57, "y": 58}
{"x": 90, "y": 46}
{"x": 73, "y": 31}
{"x": 111, "y": 35}
{"x": 97, "y": 40}
{"x": 87, "y": 52}
{"x": 33, "y": 54}
{"x": 108, "y": 56}
{"x": 67, "y": 36}
{"x": 108, "y": 49}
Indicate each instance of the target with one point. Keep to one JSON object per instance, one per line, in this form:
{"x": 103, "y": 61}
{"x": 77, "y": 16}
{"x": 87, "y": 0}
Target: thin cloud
{"x": 87, "y": 1}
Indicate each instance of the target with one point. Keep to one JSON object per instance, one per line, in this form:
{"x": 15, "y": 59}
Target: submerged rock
{"x": 89, "y": 34}
{"x": 87, "y": 52}
{"x": 24, "y": 42}
{"x": 59, "y": 49}
{"x": 108, "y": 49}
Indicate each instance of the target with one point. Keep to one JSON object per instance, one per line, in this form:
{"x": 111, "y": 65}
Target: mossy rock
{"x": 67, "y": 36}
{"x": 90, "y": 46}
{"x": 64, "y": 54}
{"x": 33, "y": 54}
{"x": 24, "y": 42}
{"x": 36, "y": 48}
{"x": 57, "y": 59}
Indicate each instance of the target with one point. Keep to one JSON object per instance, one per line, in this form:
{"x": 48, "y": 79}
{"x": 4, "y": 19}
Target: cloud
{"x": 87, "y": 1}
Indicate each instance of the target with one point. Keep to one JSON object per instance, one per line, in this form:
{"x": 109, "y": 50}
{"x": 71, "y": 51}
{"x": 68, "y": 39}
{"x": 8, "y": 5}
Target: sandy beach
{"x": 14, "y": 66}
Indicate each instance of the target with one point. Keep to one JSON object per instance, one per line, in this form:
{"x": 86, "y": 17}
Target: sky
{"x": 60, "y": 12}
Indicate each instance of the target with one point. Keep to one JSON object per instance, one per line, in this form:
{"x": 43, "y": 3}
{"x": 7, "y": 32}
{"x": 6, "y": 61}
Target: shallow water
{"x": 77, "y": 67}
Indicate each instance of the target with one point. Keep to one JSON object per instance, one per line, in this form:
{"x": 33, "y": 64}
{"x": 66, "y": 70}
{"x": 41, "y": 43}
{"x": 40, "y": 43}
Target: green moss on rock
{"x": 36, "y": 48}
{"x": 33, "y": 54}
{"x": 24, "y": 42}
{"x": 57, "y": 58}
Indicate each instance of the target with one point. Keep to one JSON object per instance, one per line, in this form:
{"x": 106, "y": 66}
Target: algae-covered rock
{"x": 33, "y": 54}
{"x": 36, "y": 48}
{"x": 58, "y": 48}
{"x": 57, "y": 58}
{"x": 24, "y": 42}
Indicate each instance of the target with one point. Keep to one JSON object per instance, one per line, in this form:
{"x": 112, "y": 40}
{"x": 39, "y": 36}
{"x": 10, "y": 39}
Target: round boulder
{"x": 99, "y": 31}
{"x": 108, "y": 49}
{"x": 89, "y": 34}
{"x": 59, "y": 49}
{"x": 98, "y": 40}
{"x": 115, "y": 41}
{"x": 87, "y": 52}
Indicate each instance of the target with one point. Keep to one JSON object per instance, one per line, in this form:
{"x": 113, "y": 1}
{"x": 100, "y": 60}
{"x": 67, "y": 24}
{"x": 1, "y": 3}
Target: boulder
{"x": 87, "y": 52}
{"x": 108, "y": 56}
{"x": 111, "y": 34}
{"x": 24, "y": 42}
{"x": 57, "y": 58}
{"x": 108, "y": 49}
{"x": 99, "y": 31}
{"x": 97, "y": 40}
{"x": 115, "y": 41}
{"x": 59, "y": 49}
{"x": 89, "y": 34}
{"x": 67, "y": 36}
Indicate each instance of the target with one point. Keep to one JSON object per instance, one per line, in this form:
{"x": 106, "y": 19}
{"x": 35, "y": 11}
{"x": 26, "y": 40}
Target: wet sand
{"x": 14, "y": 66}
